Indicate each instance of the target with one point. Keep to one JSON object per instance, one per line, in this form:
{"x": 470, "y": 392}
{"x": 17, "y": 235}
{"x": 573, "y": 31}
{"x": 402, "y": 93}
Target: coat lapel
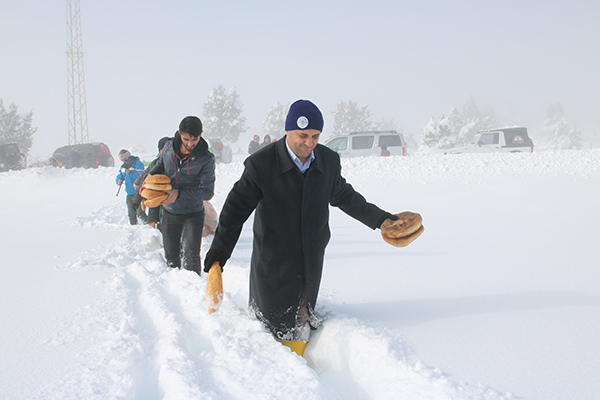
{"x": 284, "y": 162}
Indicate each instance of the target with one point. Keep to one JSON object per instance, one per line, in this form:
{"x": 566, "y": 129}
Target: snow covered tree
{"x": 349, "y": 117}
{"x": 446, "y": 133}
{"x": 274, "y": 123}
{"x": 470, "y": 111}
{"x": 442, "y": 134}
{"x": 557, "y": 132}
{"x": 15, "y": 128}
{"x": 472, "y": 120}
{"x": 458, "y": 128}
{"x": 387, "y": 125}
{"x": 430, "y": 135}
{"x": 222, "y": 116}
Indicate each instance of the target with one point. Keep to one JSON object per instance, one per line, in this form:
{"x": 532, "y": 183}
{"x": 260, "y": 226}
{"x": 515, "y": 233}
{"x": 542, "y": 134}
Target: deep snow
{"x": 498, "y": 299}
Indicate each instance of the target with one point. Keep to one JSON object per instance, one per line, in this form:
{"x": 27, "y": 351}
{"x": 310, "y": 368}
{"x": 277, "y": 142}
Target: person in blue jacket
{"x": 131, "y": 168}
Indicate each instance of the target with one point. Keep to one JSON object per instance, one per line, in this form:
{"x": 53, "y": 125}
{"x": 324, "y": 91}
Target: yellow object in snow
{"x": 214, "y": 288}
{"x": 295, "y": 345}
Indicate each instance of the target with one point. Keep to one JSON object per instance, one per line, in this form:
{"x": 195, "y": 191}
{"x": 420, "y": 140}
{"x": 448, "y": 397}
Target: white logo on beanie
{"x": 302, "y": 122}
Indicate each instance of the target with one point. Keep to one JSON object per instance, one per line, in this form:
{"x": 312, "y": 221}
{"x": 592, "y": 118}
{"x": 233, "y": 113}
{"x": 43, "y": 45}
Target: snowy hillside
{"x": 499, "y": 299}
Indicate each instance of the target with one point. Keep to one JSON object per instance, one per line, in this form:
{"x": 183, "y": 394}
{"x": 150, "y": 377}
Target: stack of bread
{"x": 404, "y": 230}
{"x": 154, "y": 190}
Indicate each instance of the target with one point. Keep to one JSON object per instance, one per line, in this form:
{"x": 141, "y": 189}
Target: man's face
{"x": 188, "y": 142}
{"x": 302, "y": 142}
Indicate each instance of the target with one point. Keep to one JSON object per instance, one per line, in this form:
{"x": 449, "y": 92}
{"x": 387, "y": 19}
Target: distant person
{"x": 289, "y": 187}
{"x": 131, "y": 168}
{"x": 385, "y": 152}
{"x": 74, "y": 157}
{"x": 266, "y": 141}
{"x": 186, "y": 160}
{"x": 254, "y": 144}
{"x": 153, "y": 213}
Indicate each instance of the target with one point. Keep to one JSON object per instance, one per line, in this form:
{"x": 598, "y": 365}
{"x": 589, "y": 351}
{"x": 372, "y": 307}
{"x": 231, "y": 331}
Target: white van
{"x": 369, "y": 143}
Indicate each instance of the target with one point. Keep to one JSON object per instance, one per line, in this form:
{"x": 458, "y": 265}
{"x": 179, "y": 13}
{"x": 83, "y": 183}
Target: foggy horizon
{"x": 149, "y": 64}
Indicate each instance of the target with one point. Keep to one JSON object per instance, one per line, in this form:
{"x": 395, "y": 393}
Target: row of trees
{"x": 557, "y": 132}
{"x": 223, "y": 118}
{"x": 16, "y": 128}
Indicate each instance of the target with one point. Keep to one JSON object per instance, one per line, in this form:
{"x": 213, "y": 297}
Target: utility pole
{"x": 77, "y": 107}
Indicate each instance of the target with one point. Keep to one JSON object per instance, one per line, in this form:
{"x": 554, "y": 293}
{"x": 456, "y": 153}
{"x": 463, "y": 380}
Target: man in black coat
{"x": 186, "y": 160}
{"x": 290, "y": 184}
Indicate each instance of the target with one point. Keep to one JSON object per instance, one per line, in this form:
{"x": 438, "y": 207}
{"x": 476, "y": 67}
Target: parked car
{"x": 91, "y": 155}
{"x": 11, "y": 158}
{"x": 508, "y": 140}
{"x": 221, "y": 151}
{"x": 369, "y": 143}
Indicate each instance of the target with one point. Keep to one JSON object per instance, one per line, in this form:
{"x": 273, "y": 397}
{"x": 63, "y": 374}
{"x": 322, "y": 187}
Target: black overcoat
{"x": 291, "y": 227}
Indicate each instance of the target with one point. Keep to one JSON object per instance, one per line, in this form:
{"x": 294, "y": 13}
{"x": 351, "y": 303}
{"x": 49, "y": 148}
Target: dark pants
{"x": 134, "y": 211}
{"x": 186, "y": 229}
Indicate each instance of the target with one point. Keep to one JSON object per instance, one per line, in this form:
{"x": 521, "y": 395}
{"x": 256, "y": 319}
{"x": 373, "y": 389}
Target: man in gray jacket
{"x": 290, "y": 184}
{"x": 186, "y": 160}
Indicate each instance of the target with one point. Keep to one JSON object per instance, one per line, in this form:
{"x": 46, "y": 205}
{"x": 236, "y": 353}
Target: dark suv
{"x": 11, "y": 158}
{"x": 91, "y": 155}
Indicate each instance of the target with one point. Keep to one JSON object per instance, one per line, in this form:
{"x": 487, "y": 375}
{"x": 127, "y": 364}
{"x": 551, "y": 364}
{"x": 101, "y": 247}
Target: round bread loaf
{"x": 150, "y": 194}
{"x": 155, "y": 202}
{"x": 406, "y": 224}
{"x": 158, "y": 178}
{"x": 158, "y": 182}
{"x": 158, "y": 186}
{"x": 403, "y": 241}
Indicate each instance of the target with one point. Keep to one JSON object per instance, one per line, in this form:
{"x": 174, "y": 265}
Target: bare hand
{"x": 173, "y": 194}
{"x": 120, "y": 182}
{"x": 153, "y": 224}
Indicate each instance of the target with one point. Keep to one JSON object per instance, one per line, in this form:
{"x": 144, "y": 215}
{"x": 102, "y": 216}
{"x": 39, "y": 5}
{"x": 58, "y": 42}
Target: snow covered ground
{"x": 499, "y": 299}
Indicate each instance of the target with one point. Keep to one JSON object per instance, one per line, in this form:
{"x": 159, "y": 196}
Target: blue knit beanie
{"x": 302, "y": 115}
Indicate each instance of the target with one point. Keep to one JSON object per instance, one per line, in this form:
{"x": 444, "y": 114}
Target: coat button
{"x": 300, "y": 276}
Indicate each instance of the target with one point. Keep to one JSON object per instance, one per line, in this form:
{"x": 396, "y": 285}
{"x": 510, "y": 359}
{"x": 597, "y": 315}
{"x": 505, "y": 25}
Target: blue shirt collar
{"x": 296, "y": 160}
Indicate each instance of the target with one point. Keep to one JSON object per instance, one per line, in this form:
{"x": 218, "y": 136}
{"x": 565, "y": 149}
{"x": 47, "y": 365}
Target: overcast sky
{"x": 150, "y": 63}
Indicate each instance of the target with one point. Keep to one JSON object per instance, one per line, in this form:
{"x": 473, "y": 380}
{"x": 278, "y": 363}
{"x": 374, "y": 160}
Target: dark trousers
{"x": 182, "y": 237}
{"x": 134, "y": 211}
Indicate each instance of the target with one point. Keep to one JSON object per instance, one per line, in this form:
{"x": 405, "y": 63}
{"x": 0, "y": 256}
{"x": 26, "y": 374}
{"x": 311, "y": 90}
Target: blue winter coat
{"x": 135, "y": 171}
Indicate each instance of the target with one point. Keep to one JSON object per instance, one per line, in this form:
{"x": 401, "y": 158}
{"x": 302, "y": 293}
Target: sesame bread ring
{"x": 406, "y": 224}
{"x": 403, "y": 241}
